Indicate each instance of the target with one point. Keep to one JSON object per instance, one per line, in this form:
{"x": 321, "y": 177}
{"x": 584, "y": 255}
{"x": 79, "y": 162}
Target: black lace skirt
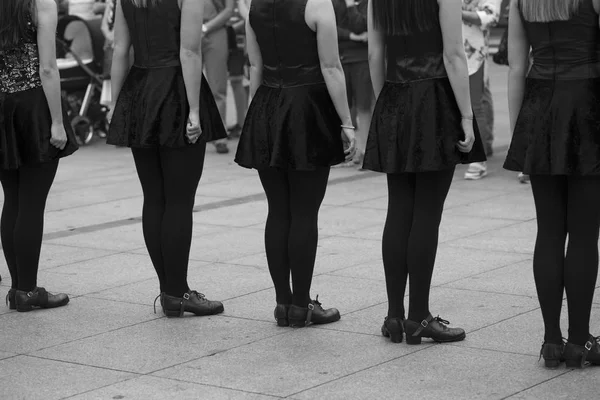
{"x": 294, "y": 128}
{"x": 558, "y": 129}
{"x": 415, "y": 128}
{"x": 25, "y": 123}
{"x": 152, "y": 110}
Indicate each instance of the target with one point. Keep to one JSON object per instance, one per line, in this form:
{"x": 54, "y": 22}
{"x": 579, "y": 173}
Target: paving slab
{"x": 515, "y": 238}
{"x": 580, "y": 384}
{"x": 345, "y": 294}
{"x": 513, "y": 279}
{"x": 122, "y": 238}
{"x": 26, "y": 377}
{"x": 92, "y": 195}
{"x": 82, "y": 317}
{"x": 334, "y": 220}
{"x": 98, "y": 274}
{"x": 438, "y": 372}
{"x": 241, "y": 215}
{"x": 161, "y": 343}
{"x": 289, "y": 363}
{"x": 356, "y": 192}
{"x": 516, "y": 206}
{"x": 154, "y": 388}
{"x": 333, "y": 253}
{"x": 523, "y": 333}
{"x": 4, "y": 354}
{"x": 245, "y": 185}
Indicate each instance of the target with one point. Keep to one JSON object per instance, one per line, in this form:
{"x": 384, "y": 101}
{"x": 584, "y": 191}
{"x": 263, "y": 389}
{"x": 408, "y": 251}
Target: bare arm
{"x": 190, "y": 52}
{"x": 221, "y": 19}
{"x": 47, "y": 20}
{"x": 255, "y": 58}
{"x": 244, "y": 8}
{"x": 320, "y": 17}
{"x": 120, "y": 61}
{"x": 486, "y": 15}
{"x": 376, "y": 53}
{"x": 518, "y": 61}
{"x": 109, "y": 34}
{"x": 455, "y": 59}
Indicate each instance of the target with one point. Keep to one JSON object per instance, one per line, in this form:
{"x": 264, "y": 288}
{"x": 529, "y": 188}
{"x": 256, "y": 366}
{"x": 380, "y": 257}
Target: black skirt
{"x": 25, "y": 123}
{"x": 558, "y": 129}
{"x": 294, "y": 128}
{"x": 152, "y": 110}
{"x": 416, "y": 127}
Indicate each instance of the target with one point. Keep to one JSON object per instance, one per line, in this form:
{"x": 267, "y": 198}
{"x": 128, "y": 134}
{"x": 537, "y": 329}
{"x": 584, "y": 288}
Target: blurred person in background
{"x": 351, "y": 16}
{"x": 478, "y": 16}
{"x": 215, "y": 53}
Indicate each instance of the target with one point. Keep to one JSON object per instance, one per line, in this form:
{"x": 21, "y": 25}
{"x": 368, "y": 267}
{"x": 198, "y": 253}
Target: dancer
{"x": 555, "y": 118}
{"x": 296, "y": 127}
{"x": 422, "y": 127}
{"x": 34, "y": 134}
{"x": 164, "y": 89}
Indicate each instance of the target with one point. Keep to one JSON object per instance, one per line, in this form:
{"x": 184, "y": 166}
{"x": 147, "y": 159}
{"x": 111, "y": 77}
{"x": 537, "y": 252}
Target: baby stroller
{"x": 81, "y": 80}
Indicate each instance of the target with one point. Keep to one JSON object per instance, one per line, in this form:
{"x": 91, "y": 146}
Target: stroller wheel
{"x": 84, "y": 131}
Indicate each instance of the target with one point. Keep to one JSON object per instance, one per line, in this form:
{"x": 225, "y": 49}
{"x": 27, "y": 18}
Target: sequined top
{"x": 19, "y": 66}
{"x": 416, "y": 56}
{"x": 287, "y": 45}
{"x": 564, "y": 50}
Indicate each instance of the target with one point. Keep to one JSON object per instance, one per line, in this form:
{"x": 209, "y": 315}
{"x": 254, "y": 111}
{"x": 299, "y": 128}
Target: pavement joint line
{"x": 504, "y": 320}
{"x": 422, "y": 348}
{"x": 474, "y": 234}
{"x": 218, "y": 387}
{"x": 510, "y": 264}
{"x": 79, "y": 364}
{"x": 488, "y": 349}
{"x": 486, "y": 291}
{"x": 538, "y": 384}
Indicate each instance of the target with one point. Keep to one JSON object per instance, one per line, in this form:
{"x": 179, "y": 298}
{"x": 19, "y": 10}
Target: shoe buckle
{"x": 424, "y": 323}
{"x": 186, "y": 296}
{"x": 588, "y": 346}
{"x": 311, "y": 306}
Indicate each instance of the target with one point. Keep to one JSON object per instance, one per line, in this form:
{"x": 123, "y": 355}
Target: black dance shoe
{"x": 10, "y": 299}
{"x": 393, "y": 328}
{"x": 39, "y": 298}
{"x": 191, "y": 301}
{"x": 314, "y": 313}
{"x": 580, "y": 356}
{"x": 281, "y": 314}
{"x": 553, "y": 354}
{"x": 433, "y": 328}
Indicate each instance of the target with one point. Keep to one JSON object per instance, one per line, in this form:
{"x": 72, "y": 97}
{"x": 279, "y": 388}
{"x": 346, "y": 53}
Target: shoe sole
{"x": 417, "y": 340}
{"x": 475, "y": 177}
{"x": 27, "y": 308}
{"x": 395, "y": 338}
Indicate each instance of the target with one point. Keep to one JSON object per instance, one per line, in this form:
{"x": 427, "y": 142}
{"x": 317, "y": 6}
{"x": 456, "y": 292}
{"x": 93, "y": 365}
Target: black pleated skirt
{"x": 25, "y": 124}
{"x": 415, "y": 128}
{"x": 152, "y": 110}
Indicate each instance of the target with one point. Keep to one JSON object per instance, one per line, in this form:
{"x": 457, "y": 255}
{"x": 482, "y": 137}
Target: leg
{"x": 149, "y": 170}
{"x": 550, "y": 196}
{"x": 401, "y": 201}
{"x": 581, "y": 263}
{"x": 277, "y": 231}
{"x": 34, "y": 185}
{"x": 214, "y": 53}
{"x": 182, "y": 169}
{"x": 477, "y": 170}
{"x": 431, "y": 189}
{"x": 307, "y": 190}
{"x": 241, "y": 98}
{"x": 10, "y": 211}
{"x": 487, "y": 103}
{"x": 364, "y": 98}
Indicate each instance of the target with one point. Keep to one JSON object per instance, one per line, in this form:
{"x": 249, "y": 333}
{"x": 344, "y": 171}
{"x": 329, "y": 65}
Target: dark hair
{"x": 14, "y": 16}
{"x": 402, "y": 17}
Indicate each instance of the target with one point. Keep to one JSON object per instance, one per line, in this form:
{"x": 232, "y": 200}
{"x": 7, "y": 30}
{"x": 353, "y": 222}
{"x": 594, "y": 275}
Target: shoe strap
{"x": 309, "y": 313}
{"x": 589, "y": 345}
{"x": 424, "y": 324}
{"x": 183, "y": 303}
{"x": 42, "y": 296}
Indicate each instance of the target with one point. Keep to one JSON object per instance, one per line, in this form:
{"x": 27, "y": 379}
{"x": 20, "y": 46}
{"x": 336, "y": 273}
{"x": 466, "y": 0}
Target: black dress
{"x": 416, "y": 122}
{"x": 25, "y": 119}
{"x": 152, "y": 107}
{"x": 292, "y": 123}
{"x": 558, "y": 128}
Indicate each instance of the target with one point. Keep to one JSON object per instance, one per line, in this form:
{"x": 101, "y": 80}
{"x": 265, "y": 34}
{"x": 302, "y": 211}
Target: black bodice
{"x": 287, "y": 45}
{"x": 155, "y": 33}
{"x": 566, "y": 49}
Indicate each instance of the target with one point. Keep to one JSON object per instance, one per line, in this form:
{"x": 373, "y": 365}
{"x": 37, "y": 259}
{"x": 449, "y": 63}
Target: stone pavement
{"x": 109, "y": 344}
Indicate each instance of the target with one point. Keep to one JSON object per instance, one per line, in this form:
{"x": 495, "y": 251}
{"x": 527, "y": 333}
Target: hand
{"x": 193, "y": 128}
{"x": 349, "y": 140}
{"x": 466, "y": 145}
{"x": 363, "y": 37}
{"x": 58, "y": 137}
{"x": 350, "y": 3}
{"x": 109, "y": 114}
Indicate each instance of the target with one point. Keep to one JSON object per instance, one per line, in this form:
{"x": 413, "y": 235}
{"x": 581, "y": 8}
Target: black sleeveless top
{"x": 20, "y": 66}
{"x": 566, "y": 49}
{"x": 287, "y": 45}
{"x": 417, "y": 55}
{"x": 155, "y": 33}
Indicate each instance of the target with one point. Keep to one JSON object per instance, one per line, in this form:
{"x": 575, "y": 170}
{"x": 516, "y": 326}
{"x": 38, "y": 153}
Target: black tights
{"x": 566, "y": 206}
{"x": 410, "y": 238}
{"x": 291, "y": 232}
{"x": 169, "y": 179}
{"x": 22, "y": 227}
